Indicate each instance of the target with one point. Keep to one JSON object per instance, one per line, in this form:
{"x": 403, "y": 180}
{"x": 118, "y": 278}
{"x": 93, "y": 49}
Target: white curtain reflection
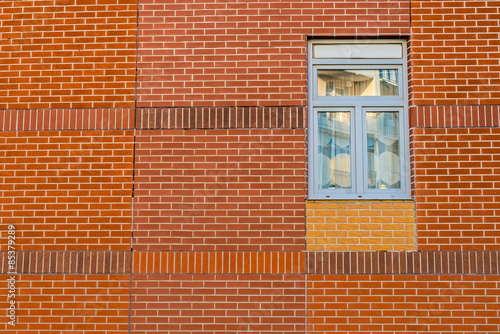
{"x": 383, "y": 150}
{"x": 334, "y": 138}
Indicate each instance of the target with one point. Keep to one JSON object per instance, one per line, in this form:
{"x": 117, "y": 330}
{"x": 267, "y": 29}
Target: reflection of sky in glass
{"x": 358, "y": 82}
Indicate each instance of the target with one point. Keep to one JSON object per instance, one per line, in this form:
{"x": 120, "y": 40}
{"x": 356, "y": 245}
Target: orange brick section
{"x": 67, "y": 190}
{"x": 456, "y": 182}
{"x": 454, "y": 52}
{"x": 218, "y": 304}
{"x": 229, "y": 190}
{"x": 74, "y": 304}
{"x": 246, "y": 53}
{"x": 360, "y": 225}
{"x": 402, "y": 304}
{"x": 67, "y": 53}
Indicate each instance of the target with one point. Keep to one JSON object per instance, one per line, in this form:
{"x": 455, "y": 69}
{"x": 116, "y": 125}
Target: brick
{"x": 228, "y": 209}
{"x": 450, "y": 211}
{"x": 81, "y": 76}
{"x": 76, "y": 191}
{"x": 356, "y": 229}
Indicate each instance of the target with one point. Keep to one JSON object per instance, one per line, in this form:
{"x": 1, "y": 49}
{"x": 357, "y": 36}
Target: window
{"x": 358, "y": 120}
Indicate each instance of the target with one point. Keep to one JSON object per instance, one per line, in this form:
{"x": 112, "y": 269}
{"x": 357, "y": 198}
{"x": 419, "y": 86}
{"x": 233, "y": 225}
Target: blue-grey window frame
{"x": 359, "y": 105}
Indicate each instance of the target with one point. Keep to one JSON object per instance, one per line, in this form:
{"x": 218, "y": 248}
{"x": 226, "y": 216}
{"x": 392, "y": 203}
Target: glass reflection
{"x": 334, "y": 146}
{"x": 383, "y": 150}
{"x": 358, "y": 82}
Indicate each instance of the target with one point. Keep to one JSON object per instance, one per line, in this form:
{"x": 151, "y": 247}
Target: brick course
{"x": 221, "y": 118}
{"x": 66, "y": 119}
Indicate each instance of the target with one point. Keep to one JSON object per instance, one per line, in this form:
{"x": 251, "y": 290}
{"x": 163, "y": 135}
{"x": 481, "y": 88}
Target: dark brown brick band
{"x": 465, "y": 262}
{"x": 455, "y": 116}
{"x": 168, "y": 262}
{"x": 221, "y": 118}
{"x": 69, "y": 262}
{"x": 67, "y": 119}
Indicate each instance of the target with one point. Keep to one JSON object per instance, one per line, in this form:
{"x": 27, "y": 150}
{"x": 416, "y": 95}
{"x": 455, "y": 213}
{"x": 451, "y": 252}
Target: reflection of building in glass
{"x": 334, "y": 150}
{"x": 358, "y": 82}
{"x": 383, "y": 150}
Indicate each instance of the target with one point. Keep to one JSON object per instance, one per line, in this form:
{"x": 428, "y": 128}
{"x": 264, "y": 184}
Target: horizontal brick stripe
{"x": 221, "y": 117}
{"x": 66, "y": 119}
{"x": 219, "y": 262}
{"x": 283, "y": 263}
{"x": 68, "y": 262}
{"x": 454, "y": 116}
{"x": 466, "y": 262}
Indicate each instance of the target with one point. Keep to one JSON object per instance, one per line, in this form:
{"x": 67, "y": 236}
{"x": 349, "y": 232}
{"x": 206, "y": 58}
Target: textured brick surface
{"x": 168, "y": 262}
{"x": 455, "y": 52}
{"x": 434, "y": 262}
{"x": 66, "y": 119}
{"x": 67, "y": 262}
{"x": 245, "y": 53}
{"x": 218, "y": 304}
{"x": 455, "y": 116}
{"x": 67, "y": 190}
{"x": 402, "y": 304}
{"x": 220, "y": 190}
{"x": 74, "y": 304}
{"x": 456, "y": 182}
{"x": 360, "y": 225}
{"x": 221, "y": 118}
{"x": 67, "y": 53}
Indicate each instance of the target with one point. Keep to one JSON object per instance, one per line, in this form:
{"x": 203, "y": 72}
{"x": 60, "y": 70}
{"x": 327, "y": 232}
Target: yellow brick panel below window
{"x": 360, "y": 225}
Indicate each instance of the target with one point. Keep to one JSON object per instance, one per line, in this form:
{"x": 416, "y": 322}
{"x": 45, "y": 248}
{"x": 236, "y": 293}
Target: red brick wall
{"x": 245, "y": 53}
{"x": 402, "y": 304}
{"x": 68, "y": 304}
{"x": 456, "y": 182}
{"x": 455, "y": 52}
{"x": 220, "y": 190}
{"x": 218, "y": 304}
{"x": 67, "y": 54}
{"x": 67, "y": 190}
{"x": 219, "y": 156}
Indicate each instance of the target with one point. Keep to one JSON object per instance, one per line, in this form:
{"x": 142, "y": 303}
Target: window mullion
{"x": 358, "y": 172}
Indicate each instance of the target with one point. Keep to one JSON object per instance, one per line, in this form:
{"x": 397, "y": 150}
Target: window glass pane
{"x": 334, "y": 140}
{"x": 360, "y": 51}
{"x": 358, "y": 82}
{"x": 383, "y": 150}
